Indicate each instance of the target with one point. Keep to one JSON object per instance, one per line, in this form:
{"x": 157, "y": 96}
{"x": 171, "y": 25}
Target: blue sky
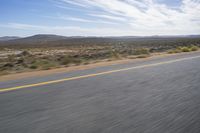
{"x": 99, "y": 17}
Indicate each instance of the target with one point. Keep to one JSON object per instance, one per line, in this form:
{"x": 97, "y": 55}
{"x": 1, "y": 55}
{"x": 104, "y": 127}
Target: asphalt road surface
{"x": 160, "y": 95}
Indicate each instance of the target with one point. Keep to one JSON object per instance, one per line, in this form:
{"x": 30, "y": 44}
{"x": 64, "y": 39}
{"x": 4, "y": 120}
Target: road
{"x": 159, "y": 95}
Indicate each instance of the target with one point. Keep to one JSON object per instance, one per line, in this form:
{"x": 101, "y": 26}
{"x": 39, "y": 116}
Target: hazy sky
{"x": 99, "y": 17}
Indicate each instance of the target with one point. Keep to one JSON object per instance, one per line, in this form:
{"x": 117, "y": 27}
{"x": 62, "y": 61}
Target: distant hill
{"x": 7, "y": 38}
{"x": 48, "y": 40}
{"x": 40, "y": 38}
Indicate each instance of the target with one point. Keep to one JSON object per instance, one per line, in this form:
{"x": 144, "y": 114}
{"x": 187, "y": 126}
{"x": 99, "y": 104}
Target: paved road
{"x": 162, "y": 98}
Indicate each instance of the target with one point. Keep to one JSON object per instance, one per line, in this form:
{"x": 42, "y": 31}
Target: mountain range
{"x": 7, "y": 38}
{"x": 56, "y": 40}
{"x": 51, "y": 37}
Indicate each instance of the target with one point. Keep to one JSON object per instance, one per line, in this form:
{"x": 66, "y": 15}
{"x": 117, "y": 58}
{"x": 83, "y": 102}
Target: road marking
{"x": 92, "y": 75}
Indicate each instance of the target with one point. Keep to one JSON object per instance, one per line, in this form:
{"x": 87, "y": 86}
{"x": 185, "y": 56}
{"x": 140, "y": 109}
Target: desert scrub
{"x": 173, "y": 51}
{"x": 194, "y": 48}
{"x": 43, "y": 64}
{"x": 141, "y": 51}
{"x": 33, "y": 67}
{"x": 189, "y": 48}
{"x": 66, "y": 60}
{"x": 184, "y": 49}
{"x": 25, "y": 53}
{"x": 11, "y": 58}
{"x": 114, "y": 54}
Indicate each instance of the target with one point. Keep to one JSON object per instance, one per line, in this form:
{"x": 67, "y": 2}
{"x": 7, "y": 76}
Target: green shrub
{"x": 115, "y": 54}
{"x": 11, "y": 58}
{"x": 185, "y": 49}
{"x": 142, "y": 51}
{"x": 33, "y": 67}
{"x": 25, "y": 53}
{"x": 76, "y": 61}
{"x": 69, "y": 60}
{"x": 20, "y": 61}
{"x": 44, "y": 64}
{"x": 173, "y": 51}
{"x": 8, "y": 65}
{"x": 65, "y": 60}
{"x": 194, "y": 48}
{"x": 48, "y": 66}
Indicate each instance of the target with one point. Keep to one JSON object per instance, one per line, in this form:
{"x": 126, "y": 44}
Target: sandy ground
{"x": 81, "y": 67}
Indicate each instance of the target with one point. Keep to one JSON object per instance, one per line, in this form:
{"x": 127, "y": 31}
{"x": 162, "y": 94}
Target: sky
{"x": 99, "y": 17}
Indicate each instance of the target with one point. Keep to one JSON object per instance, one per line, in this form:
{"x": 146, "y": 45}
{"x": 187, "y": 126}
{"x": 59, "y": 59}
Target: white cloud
{"x": 148, "y": 15}
{"x": 108, "y": 17}
{"x": 82, "y": 20}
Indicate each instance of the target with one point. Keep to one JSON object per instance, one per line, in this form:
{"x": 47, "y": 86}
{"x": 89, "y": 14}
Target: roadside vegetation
{"x": 184, "y": 49}
{"x": 28, "y": 60}
{"x": 16, "y": 59}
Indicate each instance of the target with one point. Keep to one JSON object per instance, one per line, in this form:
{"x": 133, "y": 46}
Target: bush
{"x": 194, "y": 48}
{"x": 11, "y": 58}
{"x": 69, "y": 60}
{"x": 48, "y": 65}
{"x": 8, "y": 65}
{"x": 20, "y": 61}
{"x": 33, "y": 67}
{"x": 142, "y": 51}
{"x": 174, "y": 51}
{"x": 114, "y": 54}
{"x": 43, "y": 64}
{"x": 25, "y": 53}
{"x": 185, "y": 49}
{"x": 77, "y": 61}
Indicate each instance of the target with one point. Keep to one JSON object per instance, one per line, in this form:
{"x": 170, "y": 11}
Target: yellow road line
{"x": 92, "y": 75}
